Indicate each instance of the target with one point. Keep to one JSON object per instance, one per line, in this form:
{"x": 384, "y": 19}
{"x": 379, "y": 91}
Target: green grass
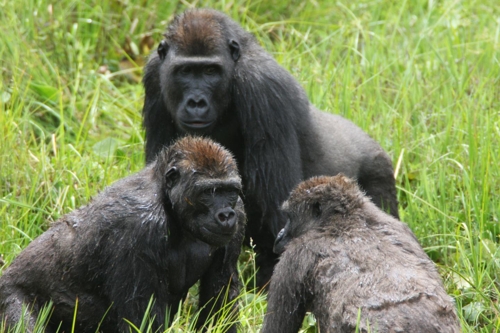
{"x": 421, "y": 77}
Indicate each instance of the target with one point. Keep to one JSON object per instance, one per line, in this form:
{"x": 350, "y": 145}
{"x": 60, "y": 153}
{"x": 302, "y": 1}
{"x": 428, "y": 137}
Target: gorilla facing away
{"x": 210, "y": 77}
{"x": 352, "y": 265}
{"x": 154, "y": 233}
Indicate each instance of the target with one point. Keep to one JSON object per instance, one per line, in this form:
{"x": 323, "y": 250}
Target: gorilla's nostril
{"x": 225, "y": 216}
{"x": 222, "y": 217}
{"x": 202, "y": 104}
{"x": 191, "y": 103}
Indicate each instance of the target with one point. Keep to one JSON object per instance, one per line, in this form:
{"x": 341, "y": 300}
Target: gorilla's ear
{"x": 234, "y": 47}
{"x": 316, "y": 209}
{"x": 162, "y": 49}
{"x": 171, "y": 177}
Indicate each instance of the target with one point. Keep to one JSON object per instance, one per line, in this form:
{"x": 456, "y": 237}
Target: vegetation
{"x": 420, "y": 76}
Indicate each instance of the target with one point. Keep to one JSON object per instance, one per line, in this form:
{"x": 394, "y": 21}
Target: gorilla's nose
{"x": 197, "y": 107}
{"x": 226, "y": 217}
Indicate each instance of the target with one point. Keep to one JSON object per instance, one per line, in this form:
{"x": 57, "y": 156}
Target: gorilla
{"x": 210, "y": 77}
{"x": 152, "y": 234}
{"x": 353, "y": 266}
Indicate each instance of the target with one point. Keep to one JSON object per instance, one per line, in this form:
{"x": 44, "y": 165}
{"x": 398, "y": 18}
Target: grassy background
{"x": 421, "y": 77}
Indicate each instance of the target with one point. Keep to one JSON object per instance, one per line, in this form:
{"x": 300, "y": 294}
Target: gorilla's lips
{"x": 219, "y": 237}
{"x": 199, "y": 124}
{"x": 223, "y": 232}
{"x": 196, "y": 125}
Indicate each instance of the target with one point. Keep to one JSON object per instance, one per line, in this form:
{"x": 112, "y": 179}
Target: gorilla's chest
{"x": 187, "y": 264}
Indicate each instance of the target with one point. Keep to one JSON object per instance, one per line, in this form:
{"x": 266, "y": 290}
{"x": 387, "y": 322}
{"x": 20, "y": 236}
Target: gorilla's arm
{"x": 131, "y": 296}
{"x": 289, "y": 290}
{"x": 157, "y": 120}
{"x": 131, "y": 300}
{"x": 270, "y": 107}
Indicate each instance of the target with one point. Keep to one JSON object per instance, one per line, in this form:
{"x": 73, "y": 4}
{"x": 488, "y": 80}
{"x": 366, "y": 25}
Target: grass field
{"x": 421, "y": 77}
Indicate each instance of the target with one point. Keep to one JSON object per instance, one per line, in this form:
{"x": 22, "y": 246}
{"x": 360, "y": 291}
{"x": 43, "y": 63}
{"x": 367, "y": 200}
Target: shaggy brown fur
{"x": 351, "y": 264}
{"x": 195, "y": 155}
{"x": 154, "y": 233}
{"x": 195, "y": 33}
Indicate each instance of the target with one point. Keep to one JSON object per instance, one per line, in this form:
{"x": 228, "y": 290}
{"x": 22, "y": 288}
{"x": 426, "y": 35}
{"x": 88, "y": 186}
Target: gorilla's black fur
{"x": 350, "y": 264}
{"x": 211, "y": 77}
{"x": 154, "y": 233}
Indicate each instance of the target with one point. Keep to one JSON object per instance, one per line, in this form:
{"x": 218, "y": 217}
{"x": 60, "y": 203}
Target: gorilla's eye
{"x": 171, "y": 177}
{"x": 233, "y": 198}
{"x": 210, "y": 70}
{"x": 185, "y": 70}
{"x": 209, "y": 191}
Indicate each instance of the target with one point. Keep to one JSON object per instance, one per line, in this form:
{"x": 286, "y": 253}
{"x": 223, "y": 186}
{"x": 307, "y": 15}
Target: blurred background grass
{"x": 421, "y": 77}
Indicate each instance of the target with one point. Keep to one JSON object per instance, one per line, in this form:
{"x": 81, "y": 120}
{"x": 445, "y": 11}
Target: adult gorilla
{"x": 210, "y": 77}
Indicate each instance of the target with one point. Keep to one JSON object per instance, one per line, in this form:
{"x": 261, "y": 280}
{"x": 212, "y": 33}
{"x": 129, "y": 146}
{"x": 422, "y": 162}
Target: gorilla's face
{"x": 304, "y": 211}
{"x": 197, "y": 86}
{"x": 206, "y": 208}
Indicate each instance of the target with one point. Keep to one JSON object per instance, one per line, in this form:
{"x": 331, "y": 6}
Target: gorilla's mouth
{"x": 221, "y": 233}
{"x": 218, "y": 238}
{"x": 197, "y": 124}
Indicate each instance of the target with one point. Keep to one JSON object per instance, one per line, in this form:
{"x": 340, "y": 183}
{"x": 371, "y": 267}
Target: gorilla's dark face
{"x": 205, "y": 206}
{"x": 308, "y": 207}
{"x": 196, "y": 84}
{"x": 301, "y": 218}
{"x": 291, "y": 229}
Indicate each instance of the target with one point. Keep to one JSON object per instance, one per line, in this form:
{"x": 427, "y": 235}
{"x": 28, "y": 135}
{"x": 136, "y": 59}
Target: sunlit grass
{"x": 421, "y": 77}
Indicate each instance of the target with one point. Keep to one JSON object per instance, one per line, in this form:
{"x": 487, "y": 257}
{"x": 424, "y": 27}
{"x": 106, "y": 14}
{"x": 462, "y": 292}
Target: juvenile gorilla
{"x": 344, "y": 257}
{"x": 154, "y": 233}
{"x": 210, "y": 77}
